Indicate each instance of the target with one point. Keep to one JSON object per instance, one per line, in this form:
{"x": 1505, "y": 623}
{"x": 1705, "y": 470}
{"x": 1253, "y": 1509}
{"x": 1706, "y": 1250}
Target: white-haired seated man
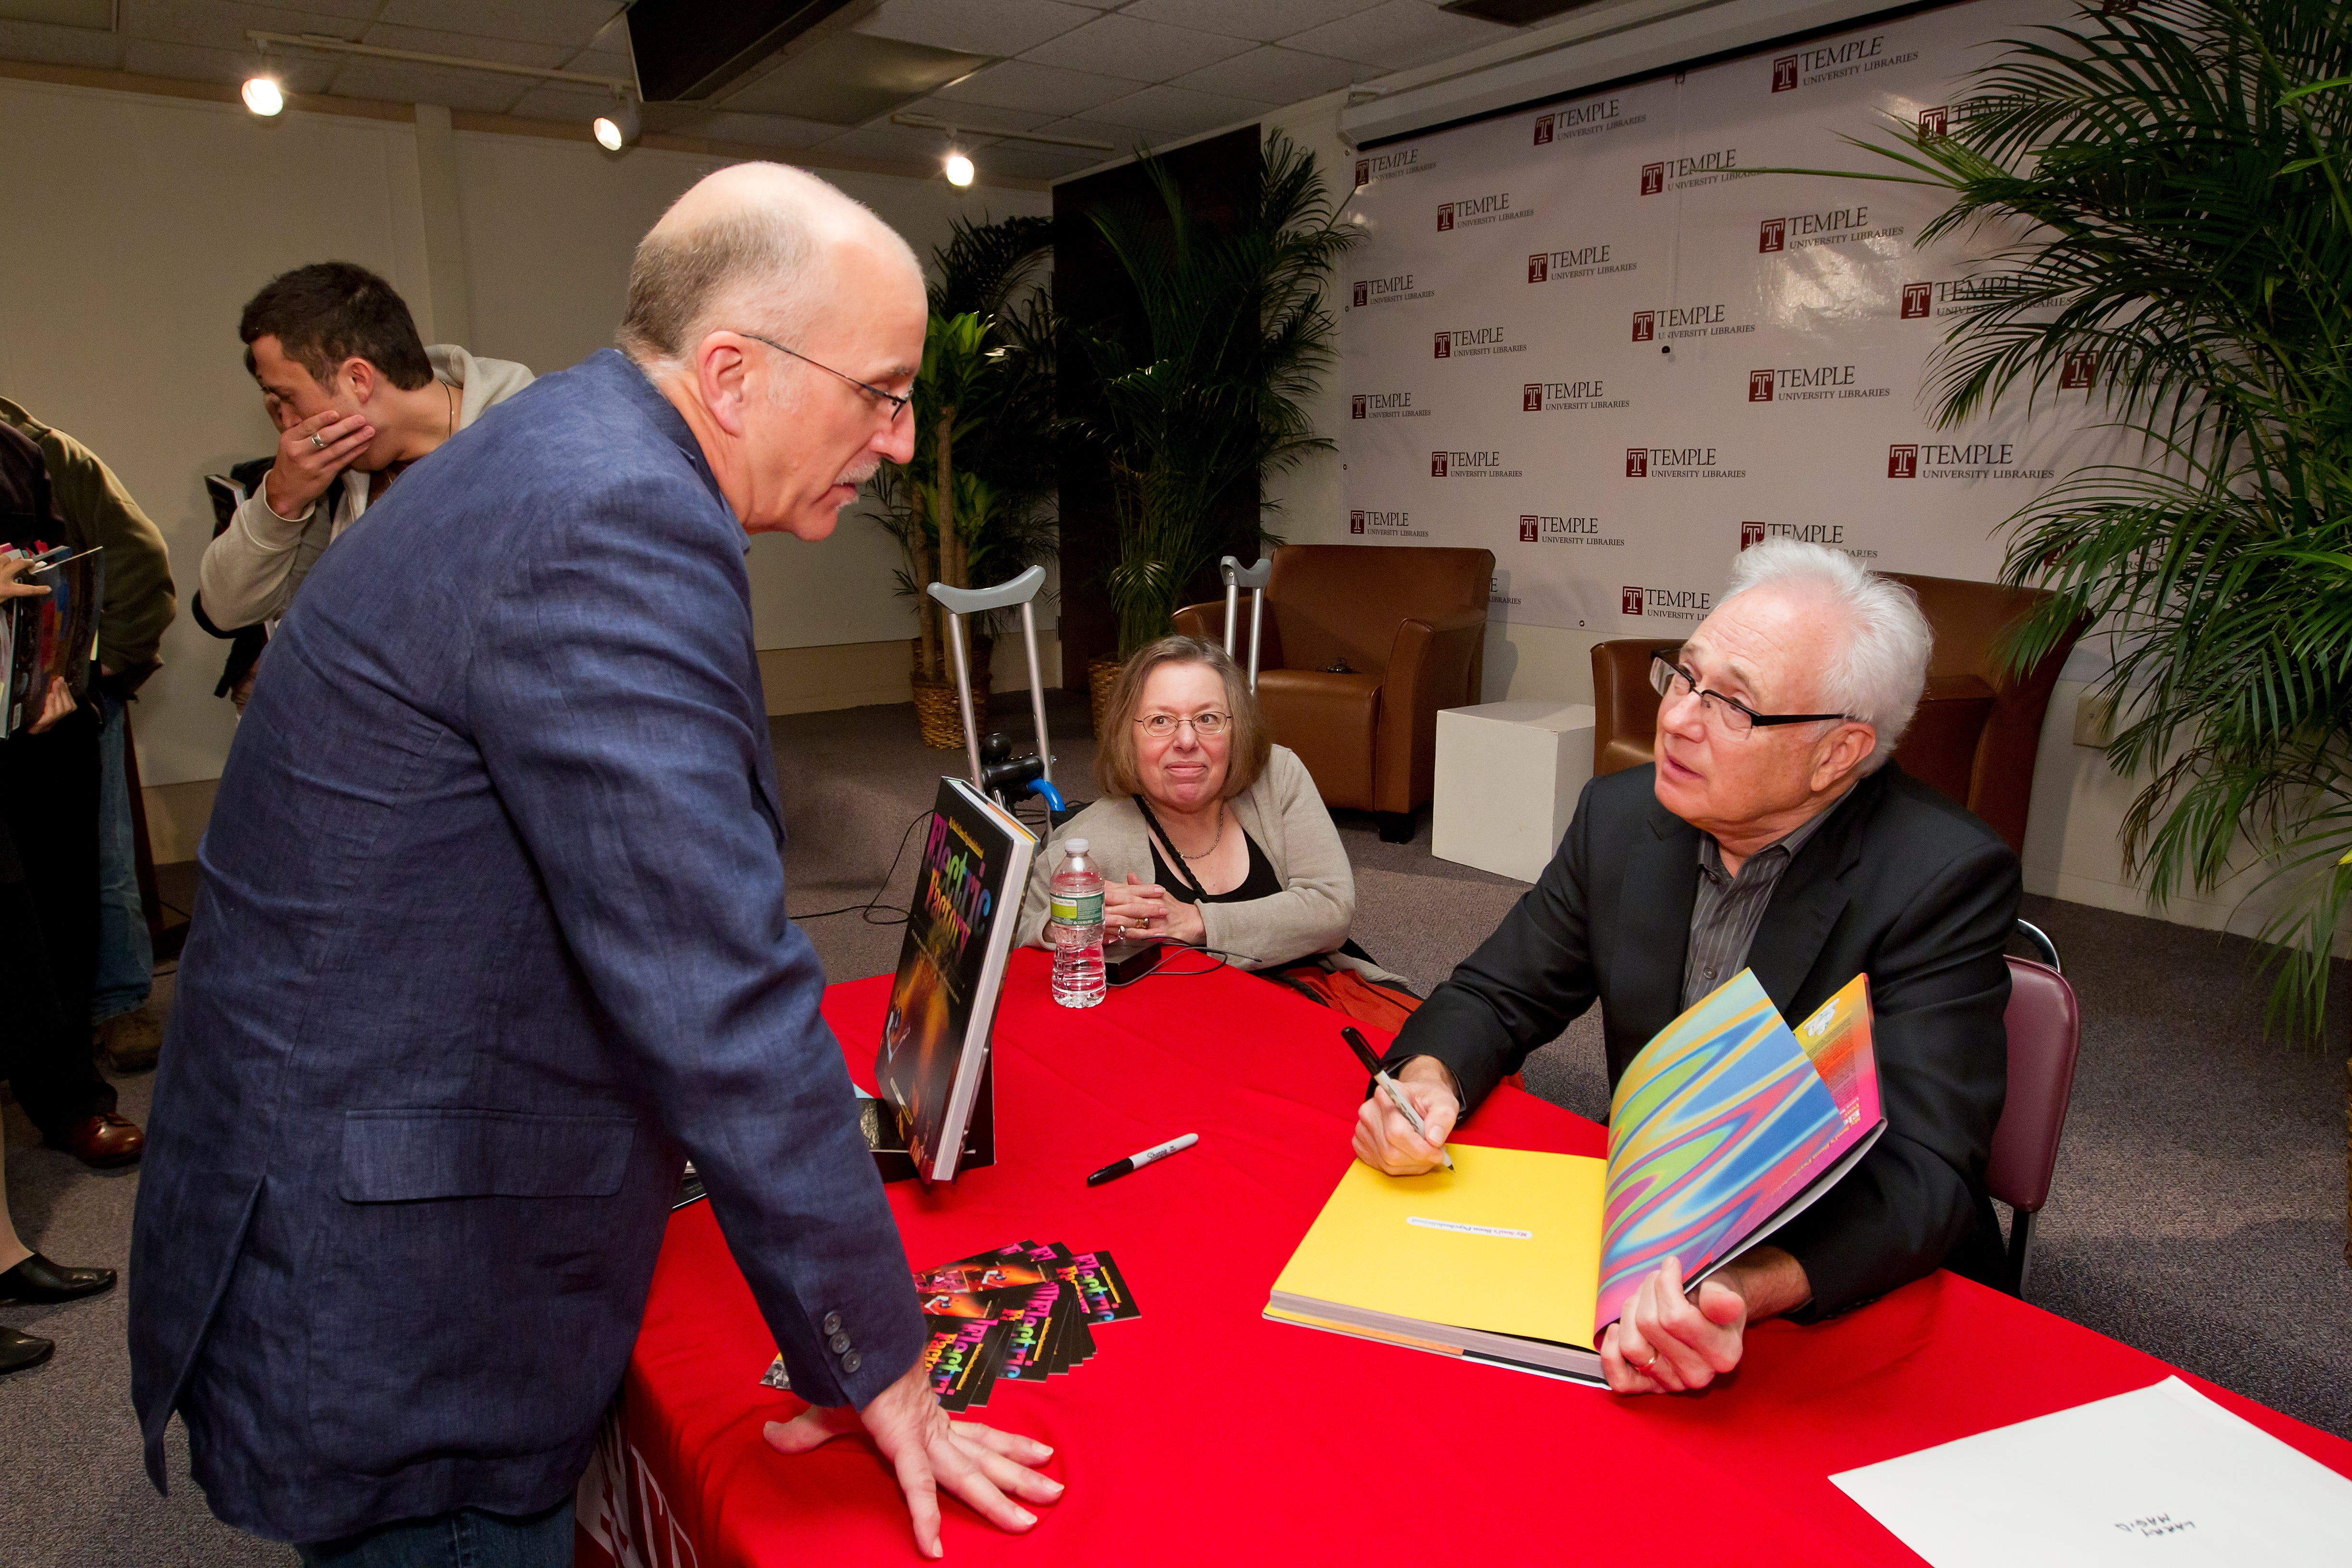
{"x": 1773, "y": 832}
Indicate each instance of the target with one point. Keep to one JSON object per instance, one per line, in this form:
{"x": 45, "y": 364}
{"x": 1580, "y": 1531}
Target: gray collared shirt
{"x": 1728, "y": 910}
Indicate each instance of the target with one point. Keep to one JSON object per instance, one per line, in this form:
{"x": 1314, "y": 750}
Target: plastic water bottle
{"x": 1075, "y": 924}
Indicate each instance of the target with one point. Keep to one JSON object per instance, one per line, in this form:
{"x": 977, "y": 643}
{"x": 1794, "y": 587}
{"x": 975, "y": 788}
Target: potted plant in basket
{"x": 972, "y": 506}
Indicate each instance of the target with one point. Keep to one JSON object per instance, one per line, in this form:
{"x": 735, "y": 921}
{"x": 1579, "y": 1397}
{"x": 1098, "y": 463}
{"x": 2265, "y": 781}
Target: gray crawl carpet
{"x": 2198, "y": 1212}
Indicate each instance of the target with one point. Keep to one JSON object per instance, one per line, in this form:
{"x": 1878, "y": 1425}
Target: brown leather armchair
{"x": 1407, "y": 625}
{"x": 1974, "y": 736}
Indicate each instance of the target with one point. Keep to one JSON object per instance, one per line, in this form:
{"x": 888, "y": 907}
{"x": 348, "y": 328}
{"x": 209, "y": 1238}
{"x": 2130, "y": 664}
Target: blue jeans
{"x": 126, "y": 958}
{"x": 465, "y": 1539}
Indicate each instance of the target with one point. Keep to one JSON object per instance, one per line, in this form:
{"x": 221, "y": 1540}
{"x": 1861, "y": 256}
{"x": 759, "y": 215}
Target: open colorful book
{"x": 1727, "y": 1126}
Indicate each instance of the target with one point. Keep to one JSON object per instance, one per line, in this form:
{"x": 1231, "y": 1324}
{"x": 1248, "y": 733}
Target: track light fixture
{"x": 958, "y": 169}
{"x": 263, "y": 95}
{"x": 619, "y": 125}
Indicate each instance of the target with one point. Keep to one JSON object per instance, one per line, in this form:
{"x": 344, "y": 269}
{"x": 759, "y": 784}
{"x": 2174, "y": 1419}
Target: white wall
{"x": 137, "y": 227}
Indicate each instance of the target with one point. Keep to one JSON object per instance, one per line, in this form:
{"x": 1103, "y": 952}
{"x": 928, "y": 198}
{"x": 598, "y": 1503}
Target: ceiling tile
{"x": 1023, "y": 160}
{"x": 400, "y": 83}
{"x": 849, "y": 78}
{"x": 1141, "y": 51}
{"x": 1123, "y": 139}
{"x": 62, "y": 45}
{"x": 998, "y": 28}
{"x": 900, "y": 143}
{"x": 191, "y": 62}
{"x": 1178, "y": 112}
{"x": 779, "y": 130}
{"x": 1024, "y": 84}
{"x": 560, "y": 100}
{"x": 1400, "y": 34}
{"x": 222, "y": 25}
{"x": 613, "y": 37}
{"x": 600, "y": 62}
{"x": 977, "y": 117}
{"x": 1263, "y": 20}
{"x": 538, "y": 21}
{"x": 1276, "y": 75}
{"x": 467, "y": 46}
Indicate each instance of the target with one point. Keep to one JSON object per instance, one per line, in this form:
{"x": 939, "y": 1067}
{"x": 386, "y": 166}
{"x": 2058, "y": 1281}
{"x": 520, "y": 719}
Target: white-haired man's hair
{"x": 756, "y": 268}
{"x": 1879, "y": 673}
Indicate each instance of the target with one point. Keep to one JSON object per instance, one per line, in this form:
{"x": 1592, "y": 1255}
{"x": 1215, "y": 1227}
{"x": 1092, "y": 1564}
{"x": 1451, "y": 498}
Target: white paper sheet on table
{"x": 2159, "y": 1476}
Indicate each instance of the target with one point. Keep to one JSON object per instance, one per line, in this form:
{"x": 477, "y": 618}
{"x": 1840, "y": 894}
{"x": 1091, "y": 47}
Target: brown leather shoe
{"x": 106, "y": 1139}
{"x": 131, "y": 1042}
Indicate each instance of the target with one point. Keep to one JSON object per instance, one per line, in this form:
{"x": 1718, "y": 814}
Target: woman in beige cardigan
{"x": 1208, "y": 833}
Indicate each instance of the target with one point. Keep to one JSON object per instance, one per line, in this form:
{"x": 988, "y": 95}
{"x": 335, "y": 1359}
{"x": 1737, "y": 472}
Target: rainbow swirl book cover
{"x": 1721, "y": 1123}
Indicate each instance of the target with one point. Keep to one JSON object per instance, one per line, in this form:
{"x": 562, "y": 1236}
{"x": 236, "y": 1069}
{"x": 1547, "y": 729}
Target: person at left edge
{"x": 492, "y": 936}
{"x": 139, "y": 602}
{"x": 50, "y": 770}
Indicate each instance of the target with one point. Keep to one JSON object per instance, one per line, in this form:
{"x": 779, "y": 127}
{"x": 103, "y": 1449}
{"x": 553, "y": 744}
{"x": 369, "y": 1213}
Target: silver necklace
{"x": 1220, "y": 838}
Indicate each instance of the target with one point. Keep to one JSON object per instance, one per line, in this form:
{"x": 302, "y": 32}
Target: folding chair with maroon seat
{"x": 2045, "y": 1035}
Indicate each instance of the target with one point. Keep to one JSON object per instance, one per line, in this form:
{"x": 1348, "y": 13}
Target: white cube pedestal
{"x": 1507, "y": 777}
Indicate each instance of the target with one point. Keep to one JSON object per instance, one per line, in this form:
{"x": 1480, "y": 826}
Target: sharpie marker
{"x": 1113, "y": 1172}
{"x": 1394, "y": 1091}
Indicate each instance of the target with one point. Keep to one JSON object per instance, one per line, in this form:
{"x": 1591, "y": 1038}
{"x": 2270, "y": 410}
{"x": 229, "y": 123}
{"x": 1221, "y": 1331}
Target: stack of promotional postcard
{"x": 1026, "y": 1311}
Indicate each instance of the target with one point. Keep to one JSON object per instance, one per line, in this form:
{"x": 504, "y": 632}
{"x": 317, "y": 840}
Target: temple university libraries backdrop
{"x": 1584, "y": 336}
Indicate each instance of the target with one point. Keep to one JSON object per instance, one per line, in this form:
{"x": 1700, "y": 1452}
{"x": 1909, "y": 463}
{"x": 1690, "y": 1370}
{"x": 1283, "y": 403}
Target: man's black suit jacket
{"x": 1900, "y": 883}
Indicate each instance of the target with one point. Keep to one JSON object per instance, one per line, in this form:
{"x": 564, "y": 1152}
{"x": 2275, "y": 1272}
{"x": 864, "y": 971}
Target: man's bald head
{"x": 754, "y": 246}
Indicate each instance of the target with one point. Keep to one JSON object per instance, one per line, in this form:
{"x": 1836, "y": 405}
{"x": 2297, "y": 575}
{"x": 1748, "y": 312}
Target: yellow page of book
{"x": 1508, "y": 1241}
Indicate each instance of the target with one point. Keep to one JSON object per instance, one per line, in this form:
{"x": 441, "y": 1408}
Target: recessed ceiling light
{"x": 263, "y": 95}
{"x": 958, "y": 169}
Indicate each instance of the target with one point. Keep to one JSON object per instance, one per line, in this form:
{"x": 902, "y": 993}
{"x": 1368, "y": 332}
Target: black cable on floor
{"x": 895, "y": 916}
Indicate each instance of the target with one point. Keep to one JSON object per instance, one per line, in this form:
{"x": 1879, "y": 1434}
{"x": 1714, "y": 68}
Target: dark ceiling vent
{"x": 1516, "y": 12}
{"x": 691, "y": 48}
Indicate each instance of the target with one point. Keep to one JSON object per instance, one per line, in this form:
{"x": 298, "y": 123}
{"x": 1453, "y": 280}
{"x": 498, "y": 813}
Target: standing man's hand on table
{"x": 1386, "y": 1142}
{"x": 1668, "y": 1343}
{"x": 985, "y": 1466}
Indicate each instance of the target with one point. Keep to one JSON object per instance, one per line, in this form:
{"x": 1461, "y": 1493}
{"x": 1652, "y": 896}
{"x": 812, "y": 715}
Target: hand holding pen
{"x": 1427, "y": 1110}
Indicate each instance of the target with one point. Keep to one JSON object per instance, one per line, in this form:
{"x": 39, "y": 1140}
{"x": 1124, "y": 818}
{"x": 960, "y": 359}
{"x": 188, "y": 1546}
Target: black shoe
{"x": 18, "y": 1352}
{"x": 38, "y": 1282}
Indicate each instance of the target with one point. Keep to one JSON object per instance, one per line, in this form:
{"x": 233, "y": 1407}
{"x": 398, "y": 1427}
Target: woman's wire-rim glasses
{"x": 1671, "y": 681}
{"x": 1160, "y": 726}
{"x": 897, "y": 402}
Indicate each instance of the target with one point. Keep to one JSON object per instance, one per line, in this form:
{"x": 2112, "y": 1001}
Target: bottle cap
{"x": 1075, "y": 845}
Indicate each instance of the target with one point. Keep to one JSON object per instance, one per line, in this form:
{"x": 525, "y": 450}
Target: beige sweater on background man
{"x": 250, "y": 573}
{"x": 1285, "y": 814}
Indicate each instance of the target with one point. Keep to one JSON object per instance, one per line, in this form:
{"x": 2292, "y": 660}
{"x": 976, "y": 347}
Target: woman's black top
{"x": 1261, "y": 883}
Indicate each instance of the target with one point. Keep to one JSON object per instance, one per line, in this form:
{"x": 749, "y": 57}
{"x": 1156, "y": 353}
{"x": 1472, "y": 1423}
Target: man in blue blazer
{"x": 491, "y": 937}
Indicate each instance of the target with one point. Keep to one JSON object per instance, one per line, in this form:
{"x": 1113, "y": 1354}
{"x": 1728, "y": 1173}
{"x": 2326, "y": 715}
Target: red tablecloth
{"x": 1202, "y": 1432}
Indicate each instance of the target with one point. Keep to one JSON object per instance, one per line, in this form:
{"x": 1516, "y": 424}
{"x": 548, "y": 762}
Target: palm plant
{"x": 2178, "y": 172}
{"x": 973, "y": 505}
{"x": 1233, "y": 337}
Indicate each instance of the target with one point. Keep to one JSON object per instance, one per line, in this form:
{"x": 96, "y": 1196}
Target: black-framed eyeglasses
{"x": 897, "y": 402}
{"x": 1672, "y": 680}
{"x": 1208, "y": 721}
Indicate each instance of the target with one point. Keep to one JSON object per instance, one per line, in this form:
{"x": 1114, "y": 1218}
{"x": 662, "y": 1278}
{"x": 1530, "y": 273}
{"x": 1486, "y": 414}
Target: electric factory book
{"x": 1726, "y": 1126}
{"x": 934, "y": 1055}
